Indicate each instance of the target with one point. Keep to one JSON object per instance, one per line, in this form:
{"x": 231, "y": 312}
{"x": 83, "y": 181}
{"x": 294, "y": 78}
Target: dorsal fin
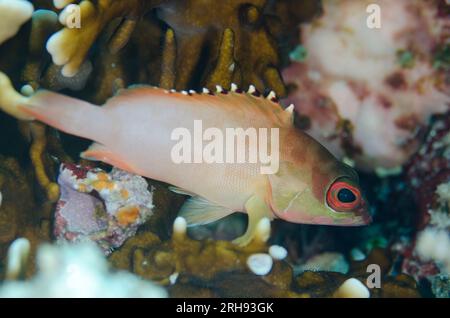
{"x": 147, "y": 92}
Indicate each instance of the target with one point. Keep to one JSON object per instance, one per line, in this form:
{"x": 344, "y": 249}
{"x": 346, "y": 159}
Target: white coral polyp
{"x": 260, "y": 263}
{"x": 79, "y": 270}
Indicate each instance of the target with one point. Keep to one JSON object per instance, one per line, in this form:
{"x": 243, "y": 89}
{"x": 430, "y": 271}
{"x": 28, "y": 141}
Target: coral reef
{"x": 109, "y": 25}
{"x": 365, "y": 92}
{"x": 78, "y": 270}
{"x": 426, "y": 255}
{"x": 352, "y": 288}
{"x": 236, "y": 41}
{"x": 430, "y": 167}
{"x": 328, "y": 261}
{"x": 217, "y": 268}
{"x": 106, "y": 208}
{"x": 70, "y": 45}
{"x": 21, "y": 213}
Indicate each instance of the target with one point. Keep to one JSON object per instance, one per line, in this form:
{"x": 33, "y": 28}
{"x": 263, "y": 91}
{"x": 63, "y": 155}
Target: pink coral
{"x": 367, "y": 91}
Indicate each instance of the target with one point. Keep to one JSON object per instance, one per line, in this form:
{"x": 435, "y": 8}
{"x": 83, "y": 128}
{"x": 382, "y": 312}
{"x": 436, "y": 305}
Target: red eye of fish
{"x": 343, "y": 196}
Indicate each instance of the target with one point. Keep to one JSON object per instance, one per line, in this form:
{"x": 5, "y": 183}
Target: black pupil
{"x": 346, "y": 195}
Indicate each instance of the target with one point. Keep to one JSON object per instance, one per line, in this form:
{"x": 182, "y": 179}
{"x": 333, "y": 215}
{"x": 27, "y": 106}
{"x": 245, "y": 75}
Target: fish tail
{"x": 68, "y": 114}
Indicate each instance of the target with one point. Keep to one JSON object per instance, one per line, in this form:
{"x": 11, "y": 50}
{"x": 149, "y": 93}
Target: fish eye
{"x": 346, "y": 195}
{"x": 343, "y": 196}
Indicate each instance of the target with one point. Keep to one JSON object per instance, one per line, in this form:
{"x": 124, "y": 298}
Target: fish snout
{"x": 360, "y": 217}
{"x": 362, "y": 213}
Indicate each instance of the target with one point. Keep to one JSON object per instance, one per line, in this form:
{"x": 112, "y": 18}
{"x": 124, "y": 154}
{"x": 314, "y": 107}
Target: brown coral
{"x": 233, "y": 38}
{"x": 70, "y": 46}
{"x": 20, "y": 214}
{"x": 210, "y": 43}
{"x": 218, "y": 269}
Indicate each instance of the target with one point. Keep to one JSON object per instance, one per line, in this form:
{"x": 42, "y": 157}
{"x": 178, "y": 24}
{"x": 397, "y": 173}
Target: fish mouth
{"x": 361, "y": 217}
{"x": 363, "y": 214}
{"x": 354, "y": 221}
{"x": 365, "y": 219}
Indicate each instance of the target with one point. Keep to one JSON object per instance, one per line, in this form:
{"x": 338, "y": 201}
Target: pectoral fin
{"x": 199, "y": 211}
{"x": 99, "y": 152}
{"x": 181, "y": 191}
{"x": 257, "y": 209}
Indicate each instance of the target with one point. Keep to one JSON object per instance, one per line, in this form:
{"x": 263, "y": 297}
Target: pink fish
{"x": 133, "y": 131}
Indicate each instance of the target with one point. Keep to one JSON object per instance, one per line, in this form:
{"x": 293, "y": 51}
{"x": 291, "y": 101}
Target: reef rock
{"x": 426, "y": 256}
{"x": 100, "y": 207}
{"x": 367, "y": 91}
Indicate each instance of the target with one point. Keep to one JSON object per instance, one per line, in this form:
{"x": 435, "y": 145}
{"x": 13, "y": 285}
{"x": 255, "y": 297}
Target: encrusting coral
{"x": 106, "y": 208}
{"x": 365, "y": 92}
{"x": 426, "y": 255}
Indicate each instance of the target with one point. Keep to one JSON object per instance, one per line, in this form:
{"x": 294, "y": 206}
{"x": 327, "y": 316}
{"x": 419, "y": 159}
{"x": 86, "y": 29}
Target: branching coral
{"x": 74, "y": 271}
{"x": 232, "y": 40}
{"x": 13, "y": 13}
{"x": 20, "y": 214}
{"x": 38, "y": 133}
{"x": 70, "y": 46}
{"x": 37, "y": 151}
{"x": 235, "y": 41}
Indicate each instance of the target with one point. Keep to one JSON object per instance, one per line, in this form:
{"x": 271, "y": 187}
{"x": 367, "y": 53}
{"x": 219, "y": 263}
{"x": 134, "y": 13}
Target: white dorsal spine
{"x": 233, "y": 87}
{"x": 219, "y": 89}
{"x": 184, "y": 92}
{"x": 251, "y": 89}
{"x": 290, "y": 109}
{"x": 271, "y": 95}
{"x": 205, "y": 90}
{"x": 191, "y": 91}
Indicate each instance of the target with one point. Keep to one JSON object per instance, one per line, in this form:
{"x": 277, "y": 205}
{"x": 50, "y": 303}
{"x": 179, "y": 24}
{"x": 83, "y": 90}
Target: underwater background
{"x": 370, "y": 81}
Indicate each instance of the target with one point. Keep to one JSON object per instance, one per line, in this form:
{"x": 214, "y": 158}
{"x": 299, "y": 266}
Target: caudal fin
{"x": 71, "y": 115}
{"x": 68, "y": 114}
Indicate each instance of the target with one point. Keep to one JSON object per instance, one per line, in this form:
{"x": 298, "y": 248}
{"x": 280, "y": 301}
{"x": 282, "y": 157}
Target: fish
{"x": 133, "y": 131}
